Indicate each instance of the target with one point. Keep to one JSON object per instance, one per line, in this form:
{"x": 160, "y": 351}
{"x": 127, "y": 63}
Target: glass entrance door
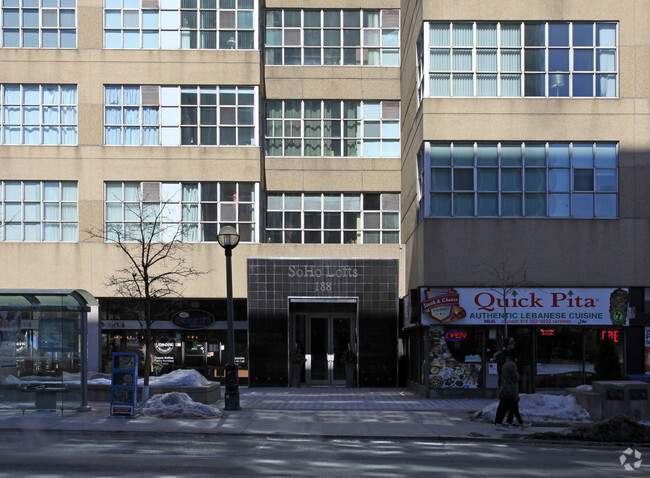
{"x": 327, "y": 337}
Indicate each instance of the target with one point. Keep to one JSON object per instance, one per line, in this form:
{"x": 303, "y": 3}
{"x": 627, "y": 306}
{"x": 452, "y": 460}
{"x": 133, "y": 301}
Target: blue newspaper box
{"x": 124, "y": 384}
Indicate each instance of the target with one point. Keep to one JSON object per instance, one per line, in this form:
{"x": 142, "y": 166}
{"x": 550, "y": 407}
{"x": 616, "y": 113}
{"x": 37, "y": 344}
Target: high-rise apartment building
{"x": 386, "y": 164}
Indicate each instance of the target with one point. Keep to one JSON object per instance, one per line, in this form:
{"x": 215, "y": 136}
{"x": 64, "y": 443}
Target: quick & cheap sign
{"x": 467, "y": 306}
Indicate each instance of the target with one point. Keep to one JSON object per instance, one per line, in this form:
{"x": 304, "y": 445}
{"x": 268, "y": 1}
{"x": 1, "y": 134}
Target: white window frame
{"x": 306, "y": 209}
{"x": 23, "y": 8}
{"x": 164, "y": 21}
{"x": 38, "y": 212}
{"x": 553, "y": 80}
{"x": 26, "y": 115}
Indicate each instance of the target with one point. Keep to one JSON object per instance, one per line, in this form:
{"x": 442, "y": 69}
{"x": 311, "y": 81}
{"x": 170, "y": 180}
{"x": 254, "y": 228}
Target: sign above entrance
{"x": 192, "y": 319}
{"x": 465, "y": 306}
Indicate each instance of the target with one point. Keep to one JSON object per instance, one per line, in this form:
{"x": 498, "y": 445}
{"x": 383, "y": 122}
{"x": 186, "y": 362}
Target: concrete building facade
{"x": 368, "y": 153}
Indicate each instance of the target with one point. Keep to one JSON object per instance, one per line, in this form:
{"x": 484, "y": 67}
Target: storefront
{"x": 325, "y": 307}
{"x": 188, "y": 335}
{"x": 558, "y": 335}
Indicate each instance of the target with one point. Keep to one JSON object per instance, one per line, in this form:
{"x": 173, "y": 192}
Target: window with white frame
{"x": 187, "y": 211}
{"x": 530, "y": 179}
{"x": 39, "y": 211}
{"x": 180, "y": 24}
{"x": 39, "y": 24}
{"x": 38, "y": 114}
{"x": 522, "y": 59}
{"x": 206, "y": 115}
{"x": 326, "y": 128}
{"x": 332, "y": 37}
{"x": 332, "y": 218}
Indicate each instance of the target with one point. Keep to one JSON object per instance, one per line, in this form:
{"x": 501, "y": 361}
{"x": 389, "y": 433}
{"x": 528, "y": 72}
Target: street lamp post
{"x": 228, "y": 239}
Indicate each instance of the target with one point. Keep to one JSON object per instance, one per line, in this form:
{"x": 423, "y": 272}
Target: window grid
{"x": 484, "y": 179}
{"x": 180, "y": 115}
{"x": 332, "y": 218}
{"x": 39, "y": 211}
{"x": 328, "y": 128}
{"x": 38, "y": 114}
{"x": 200, "y": 209}
{"x": 332, "y": 37}
{"x": 39, "y": 24}
{"x": 194, "y": 24}
{"x": 555, "y": 59}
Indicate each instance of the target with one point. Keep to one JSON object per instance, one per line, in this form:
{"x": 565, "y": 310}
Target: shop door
{"x": 327, "y": 337}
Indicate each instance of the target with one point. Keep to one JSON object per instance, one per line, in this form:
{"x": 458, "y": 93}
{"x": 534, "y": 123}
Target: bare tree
{"x": 155, "y": 261}
{"x": 504, "y": 280}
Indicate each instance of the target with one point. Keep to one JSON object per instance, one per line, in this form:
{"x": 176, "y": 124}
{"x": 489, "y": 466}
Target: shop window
{"x": 559, "y": 357}
{"x": 455, "y": 356}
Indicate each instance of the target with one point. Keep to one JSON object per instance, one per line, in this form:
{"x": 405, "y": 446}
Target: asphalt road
{"x": 57, "y": 454}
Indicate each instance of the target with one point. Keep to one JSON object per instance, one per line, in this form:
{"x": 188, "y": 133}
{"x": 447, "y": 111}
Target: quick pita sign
{"x": 467, "y": 306}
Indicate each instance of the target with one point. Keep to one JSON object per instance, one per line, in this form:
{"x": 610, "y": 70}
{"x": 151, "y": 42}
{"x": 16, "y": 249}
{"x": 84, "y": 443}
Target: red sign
{"x": 612, "y": 335}
{"x": 547, "y": 332}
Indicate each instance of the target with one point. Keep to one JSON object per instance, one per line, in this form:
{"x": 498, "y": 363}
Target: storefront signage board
{"x": 562, "y": 306}
{"x": 193, "y": 319}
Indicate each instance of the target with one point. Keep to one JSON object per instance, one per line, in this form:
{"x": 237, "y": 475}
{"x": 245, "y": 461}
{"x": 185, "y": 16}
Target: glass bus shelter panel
{"x": 40, "y": 358}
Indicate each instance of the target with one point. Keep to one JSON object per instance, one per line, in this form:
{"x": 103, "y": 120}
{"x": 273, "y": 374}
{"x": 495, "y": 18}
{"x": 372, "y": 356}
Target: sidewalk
{"x": 322, "y": 412}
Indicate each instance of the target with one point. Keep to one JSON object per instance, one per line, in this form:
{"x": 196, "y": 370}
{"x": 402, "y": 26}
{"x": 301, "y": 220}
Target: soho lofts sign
{"x": 322, "y": 277}
{"x": 524, "y": 306}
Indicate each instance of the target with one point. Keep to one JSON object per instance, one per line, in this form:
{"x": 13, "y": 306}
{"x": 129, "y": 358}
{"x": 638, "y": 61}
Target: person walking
{"x": 509, "y": 394}
{"x": 501, "y": 356}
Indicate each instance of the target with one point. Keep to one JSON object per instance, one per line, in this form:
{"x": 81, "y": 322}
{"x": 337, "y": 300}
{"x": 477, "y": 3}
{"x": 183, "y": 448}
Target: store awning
{"x": 46, "y": 300}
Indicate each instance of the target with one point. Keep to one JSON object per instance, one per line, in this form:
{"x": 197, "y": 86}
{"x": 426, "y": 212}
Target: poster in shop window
{"x": 562, "y": 306}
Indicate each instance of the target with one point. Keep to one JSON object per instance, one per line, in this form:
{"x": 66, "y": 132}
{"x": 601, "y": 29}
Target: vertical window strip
{"x": 39, "y": 211}
{"x": 26, "y": 25}
{"x": 38, "y": 114}
{"x": 552, "y": 59}
{"x": 332, "y": 37}
{"x": 208, "y": 24}
{"x": 532, "y": 179}
{"x": 332, "y": 218}
{"x": 188, "y": 211}
{"x": 332, "y": 128}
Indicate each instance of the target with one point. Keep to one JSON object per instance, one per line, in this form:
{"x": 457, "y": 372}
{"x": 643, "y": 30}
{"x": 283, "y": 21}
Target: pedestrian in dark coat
{"x": 509, "y": 394}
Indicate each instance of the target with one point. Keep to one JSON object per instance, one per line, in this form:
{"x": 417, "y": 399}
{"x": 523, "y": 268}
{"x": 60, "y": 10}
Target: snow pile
{"x": 540, "y": 408}
{"x": 177, "y": 378}
{"x": 177, "y": 405}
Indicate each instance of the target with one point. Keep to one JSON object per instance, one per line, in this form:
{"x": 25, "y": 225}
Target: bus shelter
{"x": 43, "y": 349}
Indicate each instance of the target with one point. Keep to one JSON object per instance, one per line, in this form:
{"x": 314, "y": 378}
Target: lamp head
{"x": 228, "y": 237}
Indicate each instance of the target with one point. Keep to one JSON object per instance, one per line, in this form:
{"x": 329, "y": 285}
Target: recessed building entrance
{"x": 324, "y": 333}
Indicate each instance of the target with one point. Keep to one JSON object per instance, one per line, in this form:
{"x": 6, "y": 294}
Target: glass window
{"x": 197, "y": 210}
{"x": 334, "y": 218}
{"x": 191, "y": 25}
{"x": 43, "y": 211}
{"x": 193, "y": 116}
{"x": 519, "y": 179}
{"x": 25, "y": 24}
{"x": 38, "y": 114}
{"x": 371, "y": 129}
{"x": 554, "y": 59}
{"x": 326, "y": 42}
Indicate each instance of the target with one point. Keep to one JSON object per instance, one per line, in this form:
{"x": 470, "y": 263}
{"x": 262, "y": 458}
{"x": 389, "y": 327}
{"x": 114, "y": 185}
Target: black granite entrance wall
{"x": 374, "y": 283}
